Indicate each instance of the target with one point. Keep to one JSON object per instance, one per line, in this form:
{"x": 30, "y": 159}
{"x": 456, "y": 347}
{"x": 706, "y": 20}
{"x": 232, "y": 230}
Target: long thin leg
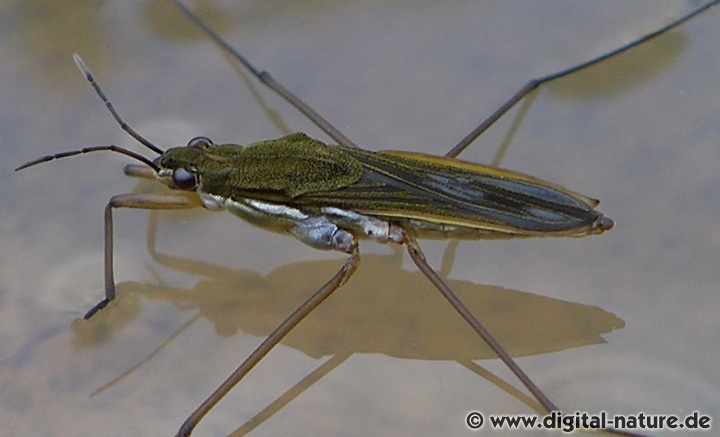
{"x": 269, "y": 81}
{"x": 418, "y": 257}
{"x": 140, "y": 201}
{"x": 527, "y": 89}
{"x": 514, "y": 126}
{"x": 322, "y": 123}
{"x": 269, "y": 343}
{"x": 139, "y": 171}
{"x": 534, "y": 83}
{"x": 502, "y": 384}
{"x": 273, "y": 115}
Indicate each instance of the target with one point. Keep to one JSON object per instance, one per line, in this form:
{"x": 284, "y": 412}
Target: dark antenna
{"x": 112, "y": 148}
{"x": 88, "y": 75}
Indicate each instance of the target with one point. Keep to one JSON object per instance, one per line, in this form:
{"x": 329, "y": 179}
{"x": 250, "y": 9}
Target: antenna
{"x": 112, "y": 148}
{"x": 89, "y": 76}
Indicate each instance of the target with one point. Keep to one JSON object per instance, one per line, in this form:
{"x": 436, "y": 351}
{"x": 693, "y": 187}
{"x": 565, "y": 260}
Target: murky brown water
{"x": 641, "y": 134}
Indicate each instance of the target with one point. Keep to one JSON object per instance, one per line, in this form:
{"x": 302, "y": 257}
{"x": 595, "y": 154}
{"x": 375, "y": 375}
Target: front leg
{"x": 139, "y": 171}
{"x": 140, "y": 201}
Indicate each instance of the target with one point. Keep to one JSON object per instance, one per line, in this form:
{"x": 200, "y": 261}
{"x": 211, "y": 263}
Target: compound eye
{"x": 184, "y": 179}
{"x": 202, "y": 142}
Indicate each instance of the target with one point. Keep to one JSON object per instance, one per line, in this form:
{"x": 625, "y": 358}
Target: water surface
{"x": 625, "y": 322}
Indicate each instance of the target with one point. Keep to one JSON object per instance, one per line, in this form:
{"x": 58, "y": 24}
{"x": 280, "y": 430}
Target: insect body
{"x": 330, "y": 196}
{"x": 327, "y": 195}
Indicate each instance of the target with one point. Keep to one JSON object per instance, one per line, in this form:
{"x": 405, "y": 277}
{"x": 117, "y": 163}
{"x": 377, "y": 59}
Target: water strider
{"x": 330, "y": 196}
